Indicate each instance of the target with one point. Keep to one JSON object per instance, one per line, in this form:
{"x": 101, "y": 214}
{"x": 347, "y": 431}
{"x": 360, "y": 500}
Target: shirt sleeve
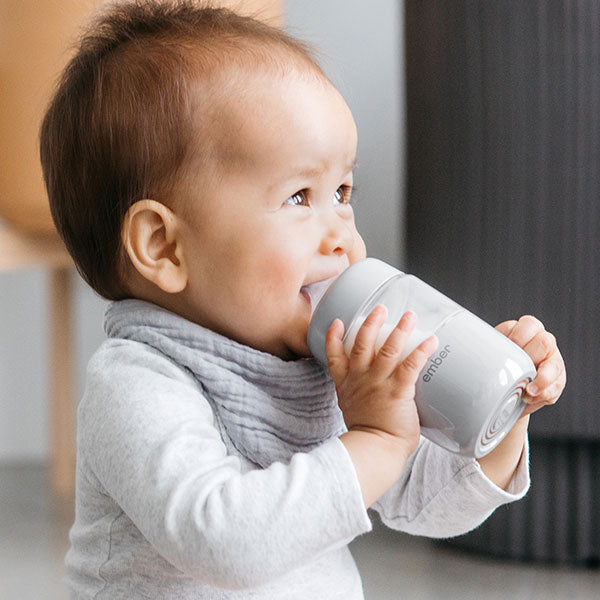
{"x": 441, "y": 494}
{"x": 148, "y": 435}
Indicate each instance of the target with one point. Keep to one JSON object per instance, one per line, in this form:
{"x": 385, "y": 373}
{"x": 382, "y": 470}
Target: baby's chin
{"x": 303, "y": 354}
{"x": 293, "y": 338}
{"x": 297, "y": 350}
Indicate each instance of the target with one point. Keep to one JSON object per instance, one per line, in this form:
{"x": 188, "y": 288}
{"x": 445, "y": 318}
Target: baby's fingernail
{"x": 532, "y": 389}
{"x": 408, "y": 318}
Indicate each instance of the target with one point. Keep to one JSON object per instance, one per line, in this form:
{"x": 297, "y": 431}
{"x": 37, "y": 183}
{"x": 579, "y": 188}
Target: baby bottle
{"x": 468, "y": 395}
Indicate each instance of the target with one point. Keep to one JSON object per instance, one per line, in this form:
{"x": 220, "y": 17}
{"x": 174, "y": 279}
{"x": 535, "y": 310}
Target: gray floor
{"x": 33, "y": 540}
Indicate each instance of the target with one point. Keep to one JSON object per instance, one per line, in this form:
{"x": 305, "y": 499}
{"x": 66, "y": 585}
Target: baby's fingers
{"x": 337, "y": 361}
{"x": 523, "y": 331}
{"x": 542, "y": 347}
{"x": 390, "y": 353}
{"x": 550, "y": 367}
{"x": 407, "y": 372}
{"x": 548, "y": 397}
{"x": 506, "y": 327}
{"x": 364, "y": 348}
{"x": 548, "y": 383}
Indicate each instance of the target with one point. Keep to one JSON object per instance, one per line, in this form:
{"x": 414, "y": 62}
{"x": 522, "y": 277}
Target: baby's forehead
{"x": 242, "y": 76}
{"x": 241, "y": 94}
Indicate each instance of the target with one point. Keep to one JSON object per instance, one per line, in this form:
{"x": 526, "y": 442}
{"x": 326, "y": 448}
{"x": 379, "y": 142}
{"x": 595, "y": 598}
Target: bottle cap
{"x": 344, "y": 299}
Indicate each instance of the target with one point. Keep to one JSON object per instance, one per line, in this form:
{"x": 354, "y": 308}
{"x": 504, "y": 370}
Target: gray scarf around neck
{"x": 269, "y": 408}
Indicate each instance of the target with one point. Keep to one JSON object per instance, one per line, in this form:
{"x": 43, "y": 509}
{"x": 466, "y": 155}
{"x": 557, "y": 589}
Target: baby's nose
{"x": 338, "y": 237}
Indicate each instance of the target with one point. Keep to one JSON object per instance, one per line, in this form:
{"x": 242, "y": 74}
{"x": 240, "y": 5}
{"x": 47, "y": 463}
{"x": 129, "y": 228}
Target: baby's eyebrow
{"x": 312, "y": 171}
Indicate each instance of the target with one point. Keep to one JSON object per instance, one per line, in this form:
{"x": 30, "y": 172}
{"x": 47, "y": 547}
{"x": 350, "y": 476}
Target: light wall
{"x": 24, "y": 345}
{"x": 361, "y": 47}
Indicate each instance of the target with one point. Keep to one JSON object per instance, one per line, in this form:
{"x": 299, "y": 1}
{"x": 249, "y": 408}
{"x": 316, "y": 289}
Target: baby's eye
{"x": 342, "y": 195}
{"x": 297, "y": 199}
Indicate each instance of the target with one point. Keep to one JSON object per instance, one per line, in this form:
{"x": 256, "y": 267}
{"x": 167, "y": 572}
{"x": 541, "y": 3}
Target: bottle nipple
{"x": 315, "y": 291}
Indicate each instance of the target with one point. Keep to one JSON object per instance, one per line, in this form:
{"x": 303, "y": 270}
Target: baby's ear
{"x": 151, "y": 238}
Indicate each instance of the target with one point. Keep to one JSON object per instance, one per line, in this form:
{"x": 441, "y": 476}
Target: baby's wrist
{"x": 379, "y": 459}
{"x": 386, "y": 442}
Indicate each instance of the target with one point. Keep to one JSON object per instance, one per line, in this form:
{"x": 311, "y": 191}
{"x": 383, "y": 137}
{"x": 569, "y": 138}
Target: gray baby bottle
{"x": 469, "y": 394}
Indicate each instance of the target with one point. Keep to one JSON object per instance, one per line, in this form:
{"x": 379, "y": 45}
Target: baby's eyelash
{"x": 347, "y": 191}
{"x": 298, "y": 199}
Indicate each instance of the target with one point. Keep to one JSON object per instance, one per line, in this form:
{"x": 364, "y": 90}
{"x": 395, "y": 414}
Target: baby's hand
{"x": 529, "y": 334}
{"x": 376, "y": 389}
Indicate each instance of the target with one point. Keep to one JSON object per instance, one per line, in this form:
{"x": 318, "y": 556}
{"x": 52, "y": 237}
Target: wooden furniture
{"x": 19, "y": 250}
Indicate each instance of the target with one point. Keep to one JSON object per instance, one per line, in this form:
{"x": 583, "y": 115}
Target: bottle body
{"x": 399, "y": 294}
{"x": 468, "y": 395}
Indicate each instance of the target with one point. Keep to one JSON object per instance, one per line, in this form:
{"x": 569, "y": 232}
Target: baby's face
{"x": 275, "y": 216}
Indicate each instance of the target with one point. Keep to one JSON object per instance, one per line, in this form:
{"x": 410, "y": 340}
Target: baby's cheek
{"x": 277, "y": 279}
{"x": 359, "y": 250}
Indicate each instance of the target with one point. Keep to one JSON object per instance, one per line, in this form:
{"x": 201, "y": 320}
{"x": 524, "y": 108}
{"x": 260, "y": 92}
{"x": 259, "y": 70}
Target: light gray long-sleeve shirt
{"x": 168, "y": 507}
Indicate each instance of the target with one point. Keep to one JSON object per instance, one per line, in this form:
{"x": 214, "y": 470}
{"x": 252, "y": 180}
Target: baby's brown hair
{"x": 119, "y": 127}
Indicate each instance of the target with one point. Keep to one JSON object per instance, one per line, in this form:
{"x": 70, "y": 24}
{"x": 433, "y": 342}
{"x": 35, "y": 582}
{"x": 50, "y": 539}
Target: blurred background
{"x": 477, "y": 170}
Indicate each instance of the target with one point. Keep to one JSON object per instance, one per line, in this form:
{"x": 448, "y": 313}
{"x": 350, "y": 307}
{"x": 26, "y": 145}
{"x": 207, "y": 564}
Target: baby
{"x": 199, "y": 167}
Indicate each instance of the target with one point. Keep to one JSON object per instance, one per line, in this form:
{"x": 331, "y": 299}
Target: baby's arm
{"x": 528, "y": 333}
{"x": 148, "y": 440}
{"x": 376, "y": 395}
